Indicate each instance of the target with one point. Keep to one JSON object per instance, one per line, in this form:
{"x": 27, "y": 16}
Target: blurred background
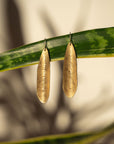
{"x": 21, "y": 114}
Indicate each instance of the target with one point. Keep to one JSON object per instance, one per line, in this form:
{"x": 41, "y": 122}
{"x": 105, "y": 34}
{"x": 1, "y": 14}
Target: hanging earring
{"x": 70, "y": 71}
{"x": 43, "y": 76}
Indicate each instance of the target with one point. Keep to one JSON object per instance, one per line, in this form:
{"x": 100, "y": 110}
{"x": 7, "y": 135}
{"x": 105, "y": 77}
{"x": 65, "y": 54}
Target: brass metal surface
{"x": 43, "y": 77}
{"x": 70, "y": 71}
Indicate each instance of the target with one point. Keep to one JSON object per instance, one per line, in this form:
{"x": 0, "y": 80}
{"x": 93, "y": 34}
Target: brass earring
{"x": 43, "y": 76}
{"x": 70, "y": 71}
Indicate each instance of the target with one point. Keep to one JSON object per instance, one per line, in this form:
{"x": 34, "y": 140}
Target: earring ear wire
{"x": 70, "y": 37}
{"x": 45, "y": 44}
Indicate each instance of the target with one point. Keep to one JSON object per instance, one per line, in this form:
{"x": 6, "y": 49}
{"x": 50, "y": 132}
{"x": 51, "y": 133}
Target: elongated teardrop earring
{"x": 43, "y": 76}
{"x": 70, "y": 71}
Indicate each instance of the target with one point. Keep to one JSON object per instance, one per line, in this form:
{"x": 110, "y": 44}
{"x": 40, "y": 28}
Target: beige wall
{"x": 94, "y": 99}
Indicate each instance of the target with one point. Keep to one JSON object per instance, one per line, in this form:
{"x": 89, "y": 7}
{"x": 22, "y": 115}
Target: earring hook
{"x": 45, "y": 43}
{"x": 70, "y": 37}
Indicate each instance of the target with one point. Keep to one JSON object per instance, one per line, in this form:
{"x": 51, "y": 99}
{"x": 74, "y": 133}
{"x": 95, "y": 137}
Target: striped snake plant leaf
{"x": 91, "y": 43}
{"x": 74, "y": 138}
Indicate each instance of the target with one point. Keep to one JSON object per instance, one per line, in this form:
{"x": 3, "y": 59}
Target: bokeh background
{"x": 92, "y": 107}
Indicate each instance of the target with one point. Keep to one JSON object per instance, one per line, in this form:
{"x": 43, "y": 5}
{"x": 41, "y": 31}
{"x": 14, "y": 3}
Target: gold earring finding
{"x": 43, "y": 76}
{"x": 70, "y": 71}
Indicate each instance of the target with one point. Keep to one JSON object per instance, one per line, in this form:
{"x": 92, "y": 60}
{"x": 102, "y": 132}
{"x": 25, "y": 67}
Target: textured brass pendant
{"x": 70, "y": 71}
{"x": 43, "y": 77}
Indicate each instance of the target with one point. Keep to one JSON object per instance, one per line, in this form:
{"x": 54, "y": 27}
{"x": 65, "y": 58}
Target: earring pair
{"x": 69, "y": 73}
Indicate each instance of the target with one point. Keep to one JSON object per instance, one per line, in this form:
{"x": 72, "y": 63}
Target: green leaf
{"x": 74, "y": 138}
{"x": 92, "y": 43}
